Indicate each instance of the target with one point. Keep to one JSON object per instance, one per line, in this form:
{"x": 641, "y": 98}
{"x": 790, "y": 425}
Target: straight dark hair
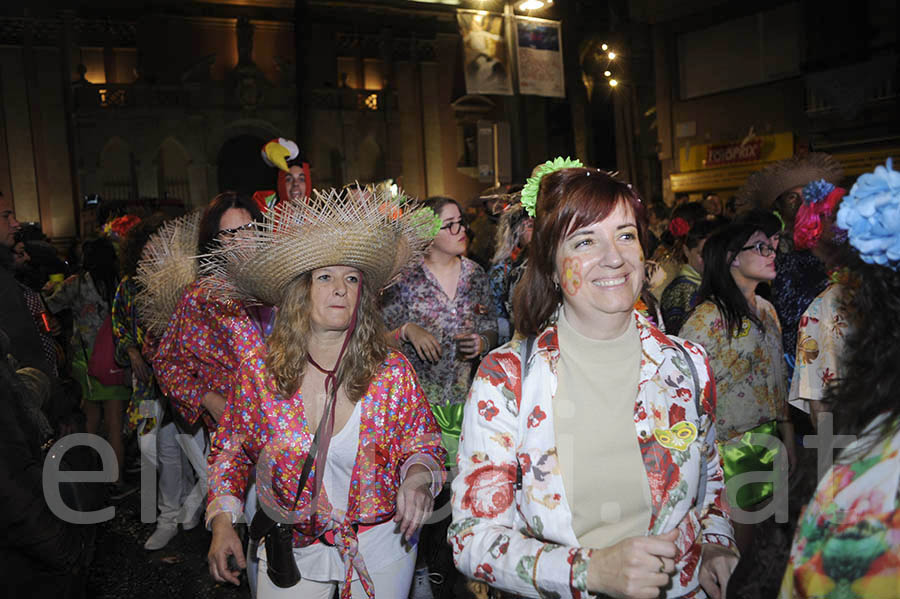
{"x": 718, "y": 285}
{"x": 212, "y": 216}
{"x": 568, "y": 199}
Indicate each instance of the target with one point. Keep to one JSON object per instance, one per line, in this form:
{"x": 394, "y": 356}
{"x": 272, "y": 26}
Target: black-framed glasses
{"x": 228, "y": 232}
{"x": 455, "y": 227}
{"x": 760, "y": 247}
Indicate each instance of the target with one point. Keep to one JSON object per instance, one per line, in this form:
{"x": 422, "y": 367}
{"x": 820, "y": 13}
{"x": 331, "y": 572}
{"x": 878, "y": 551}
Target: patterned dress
{"x": 418, "y": 297}
{"x": 517, "y": 536}
{"x": 202, "y": 350}
{"x": 847, "y": 544}
{"x": 679, "y": 298}
{"x": 396, "y": 431}
{"x": 748, "y": 369}
{"x": 823, "y": 330}
{"x": 503, "y": 278}
{"x": 128, "y": 332}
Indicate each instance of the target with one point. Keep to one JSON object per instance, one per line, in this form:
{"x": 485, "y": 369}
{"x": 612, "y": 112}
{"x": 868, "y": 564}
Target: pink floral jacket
{"x": 521, "y": 540}
{"x": 202, "y": 349}
{"x": 397, "y": 430}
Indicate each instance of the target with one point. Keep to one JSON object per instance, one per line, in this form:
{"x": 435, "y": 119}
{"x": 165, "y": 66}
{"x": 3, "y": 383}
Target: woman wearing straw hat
{"x": 587, "y": 461}
{"x": 345, "y": 446}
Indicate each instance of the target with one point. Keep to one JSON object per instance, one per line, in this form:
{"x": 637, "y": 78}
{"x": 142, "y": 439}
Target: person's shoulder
{"x": 471, "y": 266}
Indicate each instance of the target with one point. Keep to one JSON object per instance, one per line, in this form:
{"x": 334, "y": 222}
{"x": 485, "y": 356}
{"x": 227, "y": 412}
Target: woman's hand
{"x": 716, "y": 566}
{"x": 139, "y": 366}
{"x": 414, "y": 501}
{"x": 214, "y": 404}
{"x": 425, "y": 343}
{"x": 225, "y": 542}
{"x": 471, "y": 345}
{"x": 637, "y": 567}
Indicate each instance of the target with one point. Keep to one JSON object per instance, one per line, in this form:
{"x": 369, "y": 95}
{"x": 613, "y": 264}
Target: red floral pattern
{"x": 489, "y": 490}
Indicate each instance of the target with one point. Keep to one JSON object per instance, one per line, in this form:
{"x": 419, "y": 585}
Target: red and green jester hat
{"x": 294, "y": 182}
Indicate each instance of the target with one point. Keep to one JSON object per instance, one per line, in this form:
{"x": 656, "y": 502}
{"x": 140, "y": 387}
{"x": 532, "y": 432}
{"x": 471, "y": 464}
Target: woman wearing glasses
{"x": 440, "y": 314}
{"x": 742, "y": 335}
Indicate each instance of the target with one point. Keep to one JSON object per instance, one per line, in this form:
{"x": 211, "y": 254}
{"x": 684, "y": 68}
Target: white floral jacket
{"x": 519, "y": 537}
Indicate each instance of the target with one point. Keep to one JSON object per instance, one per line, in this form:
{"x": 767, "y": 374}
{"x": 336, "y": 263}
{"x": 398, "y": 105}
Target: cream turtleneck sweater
{"x": 599, "y": 455}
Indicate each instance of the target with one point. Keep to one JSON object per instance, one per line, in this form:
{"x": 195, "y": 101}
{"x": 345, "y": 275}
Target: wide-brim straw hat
{"x": 372, "y": 231}
{"x": 168, "y": 264}
{"x": 763, "y": 187}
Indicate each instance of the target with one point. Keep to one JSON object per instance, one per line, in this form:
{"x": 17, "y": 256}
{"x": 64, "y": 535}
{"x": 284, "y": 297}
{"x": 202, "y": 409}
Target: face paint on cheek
{"x": 571, "y": 275}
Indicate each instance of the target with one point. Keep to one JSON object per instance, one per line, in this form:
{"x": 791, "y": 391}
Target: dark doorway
{"x": 241, "y": 167}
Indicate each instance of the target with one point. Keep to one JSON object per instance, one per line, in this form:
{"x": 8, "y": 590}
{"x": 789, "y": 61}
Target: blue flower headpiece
{"x": 871, "y": 215}
{"x": 816, "y": 191}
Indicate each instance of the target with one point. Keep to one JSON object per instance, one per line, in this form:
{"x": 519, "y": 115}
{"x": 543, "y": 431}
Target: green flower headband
{"x": 427, "y": 223}
{"x": 533, "y": 184}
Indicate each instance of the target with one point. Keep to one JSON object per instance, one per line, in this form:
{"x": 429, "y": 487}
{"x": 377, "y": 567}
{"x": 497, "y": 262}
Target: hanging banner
{"x": 539, "y": 48}
{"x": 486, "y": 56}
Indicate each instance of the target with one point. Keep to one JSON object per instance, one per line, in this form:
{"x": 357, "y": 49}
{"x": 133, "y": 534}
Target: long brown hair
{"x": 288, "y": 344}
{"x": 568, "y": 199}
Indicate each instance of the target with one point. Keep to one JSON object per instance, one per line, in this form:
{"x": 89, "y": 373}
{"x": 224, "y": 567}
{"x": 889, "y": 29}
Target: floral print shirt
{"x": 202, "y": 350}
{"x": 820, "y": 344}
{"x": 418, "y": 297}
{"x": 519, "y": 537}
{"x": 847, "y": 543}
{"x": 397, "y": 430}
{"x": 749, "y": 371}
{"x": 800, "y": 278}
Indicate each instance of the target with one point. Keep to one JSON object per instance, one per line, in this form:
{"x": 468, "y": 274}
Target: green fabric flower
{"x": 533, "y": 184}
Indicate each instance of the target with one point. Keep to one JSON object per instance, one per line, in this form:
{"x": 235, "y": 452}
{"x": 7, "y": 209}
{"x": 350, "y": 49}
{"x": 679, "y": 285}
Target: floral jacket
{"x": 521, "y": 540}
{"x": 847, "y": 542}
{"x": 397, "y": 430}
{"x": 202, "y": 350}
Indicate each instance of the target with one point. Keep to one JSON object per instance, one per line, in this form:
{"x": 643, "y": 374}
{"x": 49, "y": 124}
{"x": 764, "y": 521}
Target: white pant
{"x": 391, "y": 582}
{"x": 181, "y": 464}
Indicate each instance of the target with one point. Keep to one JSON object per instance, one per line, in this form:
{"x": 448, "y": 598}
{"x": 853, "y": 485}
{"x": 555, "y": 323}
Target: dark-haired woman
{"x": 208, "y": 336}
{"x": 441, "y": 312}
{"x": 587, "y": 462}
{"x": 848, "y": 539}
{"x": 741, "y": 333}
{"x": 89, "y": 294}
{"x": 680, "y": 296}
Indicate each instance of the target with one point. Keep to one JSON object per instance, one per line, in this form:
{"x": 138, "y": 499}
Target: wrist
{"x": 402, "y": 333}
{"x": 485, "y": 346}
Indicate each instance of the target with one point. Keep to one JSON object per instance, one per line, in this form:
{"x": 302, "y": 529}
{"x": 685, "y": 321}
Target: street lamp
{"x": 612, "y": 55}
{"x": 531, "y": 5}
{"x": 613, "y": 83}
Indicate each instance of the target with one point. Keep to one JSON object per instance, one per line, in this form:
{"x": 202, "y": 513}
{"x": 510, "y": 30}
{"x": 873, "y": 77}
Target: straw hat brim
{"x": 337, "y": 229}
{"x": 763, "y": 187}
{"x": 168, "y": 264}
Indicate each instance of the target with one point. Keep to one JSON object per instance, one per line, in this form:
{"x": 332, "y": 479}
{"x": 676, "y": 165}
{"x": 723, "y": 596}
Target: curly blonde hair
{"x": 288, "y": 350}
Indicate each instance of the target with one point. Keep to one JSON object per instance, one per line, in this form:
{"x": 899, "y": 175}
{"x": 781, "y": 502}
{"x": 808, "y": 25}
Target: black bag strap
{"x": 525, "y": 349}
{"x": 262, "y": 523}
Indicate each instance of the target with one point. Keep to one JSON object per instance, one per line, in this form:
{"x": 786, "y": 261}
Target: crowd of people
{"x": 569, "y": 393}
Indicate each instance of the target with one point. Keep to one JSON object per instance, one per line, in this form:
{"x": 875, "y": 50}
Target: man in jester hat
{"x": 294, "y": 182}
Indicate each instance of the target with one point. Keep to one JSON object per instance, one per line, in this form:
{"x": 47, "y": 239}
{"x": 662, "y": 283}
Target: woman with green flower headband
{"x": 587, "y": 462}
{"x": 848, "y": 539}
